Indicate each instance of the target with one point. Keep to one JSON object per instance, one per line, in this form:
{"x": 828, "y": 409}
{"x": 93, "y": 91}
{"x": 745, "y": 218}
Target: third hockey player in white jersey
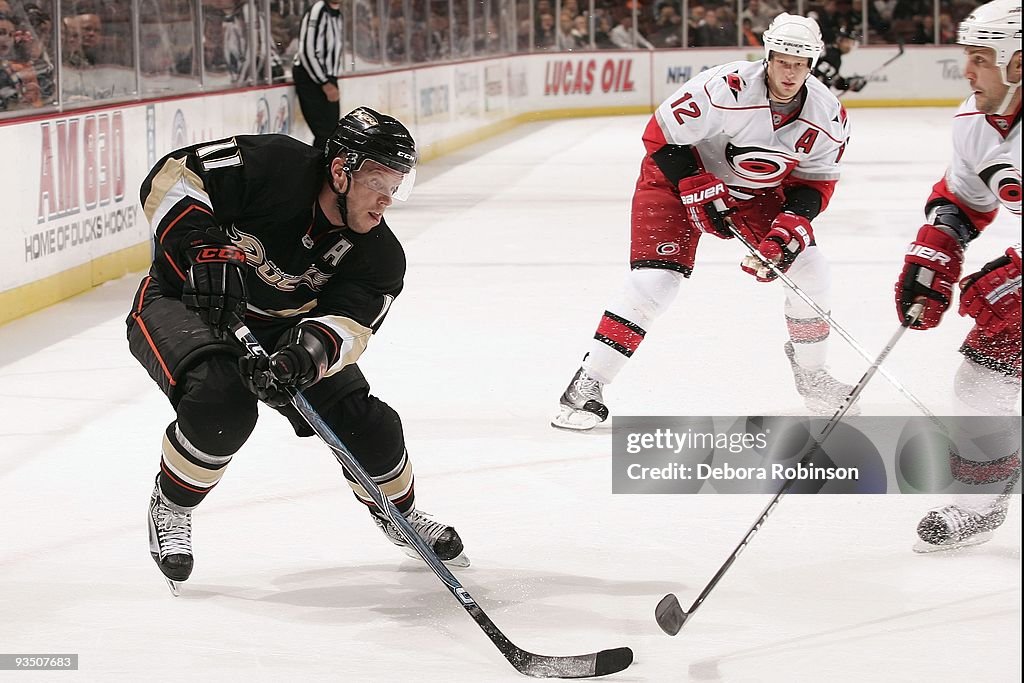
{"x": 983, "y": 175}
{"x": 753, "y": 147}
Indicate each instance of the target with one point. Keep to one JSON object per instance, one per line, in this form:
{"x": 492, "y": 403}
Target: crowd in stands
{"x": 98, "y": 61}
{"x": 715, "y": 23}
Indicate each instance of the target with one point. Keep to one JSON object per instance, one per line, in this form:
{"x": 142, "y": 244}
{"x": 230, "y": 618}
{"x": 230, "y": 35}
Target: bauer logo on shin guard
{"x": 928, "y": 254}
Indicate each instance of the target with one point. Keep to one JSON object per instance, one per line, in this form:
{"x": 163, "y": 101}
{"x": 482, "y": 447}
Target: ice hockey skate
{"x": 822, "y": 393}
{"x": 170, "y": 539}
{"x": 581, "y": 406}
{"x": 442, "y": 538}
{"x": 955, "y": 526}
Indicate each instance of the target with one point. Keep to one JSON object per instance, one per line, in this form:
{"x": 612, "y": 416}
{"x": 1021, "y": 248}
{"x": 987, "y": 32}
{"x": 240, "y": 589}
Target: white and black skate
{"x": 442, "y": 538}
{"x": 822, "y": 393}
{"x": 582, "y": 405}
{"x": 953, "y": 526}
{"x": 170, "y": 539}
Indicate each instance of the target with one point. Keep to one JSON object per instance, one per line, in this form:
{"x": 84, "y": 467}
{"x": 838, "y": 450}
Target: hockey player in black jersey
{"x": 291, "y": 239}
{"x": 827, "y": 68}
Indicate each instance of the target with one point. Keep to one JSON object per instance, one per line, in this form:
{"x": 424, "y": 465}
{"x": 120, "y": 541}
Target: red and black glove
{"x": 992, "y": 295}
{"x": 215, "y": 285}
{"x": 698, "y": 194}
{"x": 300, "y": 361}
{"x": 790, "y": 234}
{"x": 931, "y": 266}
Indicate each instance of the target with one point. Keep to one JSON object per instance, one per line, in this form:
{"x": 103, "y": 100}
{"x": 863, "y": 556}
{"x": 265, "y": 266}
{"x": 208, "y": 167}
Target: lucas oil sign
{"x": 582, "y": 76}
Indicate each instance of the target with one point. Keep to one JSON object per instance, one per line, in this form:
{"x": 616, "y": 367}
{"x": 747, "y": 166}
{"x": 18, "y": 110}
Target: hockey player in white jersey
{"x": 751, "y": 146}
{"x": 984, "y": 174}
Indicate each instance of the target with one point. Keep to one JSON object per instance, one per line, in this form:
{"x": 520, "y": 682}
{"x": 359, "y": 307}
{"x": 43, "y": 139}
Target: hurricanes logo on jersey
{"x": 735, "y": 83}
{"x": 667, "y": 248}
{"x": 1004, "y": 182}
{"x": 759, "y": 165}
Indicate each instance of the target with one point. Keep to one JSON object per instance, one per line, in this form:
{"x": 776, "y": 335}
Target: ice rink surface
{"x": 515, "y": 246}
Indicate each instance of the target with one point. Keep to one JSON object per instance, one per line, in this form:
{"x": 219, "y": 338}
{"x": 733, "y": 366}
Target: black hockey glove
{"x": 299, "y": 362}
{"x": 215, "y": 285}
{"x": 856, "y": 83}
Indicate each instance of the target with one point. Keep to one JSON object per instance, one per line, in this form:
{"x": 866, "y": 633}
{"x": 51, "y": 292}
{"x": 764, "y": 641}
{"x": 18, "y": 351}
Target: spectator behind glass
{"x": 711, "y": 33}
{"x": 925, "y": 34}
{"x": 7, "y": 30}
{"x": 625, "y": 38}
{"x": 565, "y": 40}
{"x": 750, "y": 39}
{"x": 11, "y": 86}
{"x": 695, "y": 20}
{"x": 545, "y": 38}
{"x": 827, "y": 20}
{"x": 31, "y": 56}
{"x": 602, "y": 31}
{"x": 947, "y": 29}
{"x": 668, "y": 27}
{"x": 580, "y": 32}
{"x": 760, "y": 13}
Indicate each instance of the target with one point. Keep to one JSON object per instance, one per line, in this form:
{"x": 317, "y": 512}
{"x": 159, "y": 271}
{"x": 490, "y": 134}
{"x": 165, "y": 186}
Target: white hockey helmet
{"x": 996, "y": 25}
{"x": 794, "y": 35}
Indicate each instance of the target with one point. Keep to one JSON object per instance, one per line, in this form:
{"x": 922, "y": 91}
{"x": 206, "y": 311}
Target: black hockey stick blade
{"x": 542, "y": 666}
{"x": 600, "y": 663}
{"x": 670, "y": 615}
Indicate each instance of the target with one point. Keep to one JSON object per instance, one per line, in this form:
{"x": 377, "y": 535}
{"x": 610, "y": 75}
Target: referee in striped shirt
{"x": 317, "y": 67}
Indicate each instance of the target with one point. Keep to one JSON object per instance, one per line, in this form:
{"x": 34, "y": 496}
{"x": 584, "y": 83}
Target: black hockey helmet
{"x": 851, "y": 33}
{"x": 366, "y": 134}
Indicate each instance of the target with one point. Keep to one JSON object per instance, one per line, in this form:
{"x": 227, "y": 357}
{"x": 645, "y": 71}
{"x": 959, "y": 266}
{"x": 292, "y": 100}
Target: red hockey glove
{"x": 992, "y": 295}
{"x": 790, "y": 235}
{"x": 215, "y": 285}
{"x": 931, "y": 266}
{"x": 698, "y": 194}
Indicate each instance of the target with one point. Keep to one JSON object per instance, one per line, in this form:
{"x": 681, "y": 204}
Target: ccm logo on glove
{"x": 227, "y": 254}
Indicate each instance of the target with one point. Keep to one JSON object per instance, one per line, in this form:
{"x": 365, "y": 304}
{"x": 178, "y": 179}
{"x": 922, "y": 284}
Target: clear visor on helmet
{"x": 384, "y": 180}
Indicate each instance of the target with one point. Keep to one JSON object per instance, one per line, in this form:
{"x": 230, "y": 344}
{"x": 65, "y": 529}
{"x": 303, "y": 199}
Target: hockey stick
{"x": 669, "y": 614}
{"x": 540, "y": 666}
{"x": 899, "y": 53}
{"x": 779, "y": 273}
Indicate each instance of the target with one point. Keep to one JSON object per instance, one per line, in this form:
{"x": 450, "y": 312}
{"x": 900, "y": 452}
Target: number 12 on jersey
{"x": 682, "y": 108}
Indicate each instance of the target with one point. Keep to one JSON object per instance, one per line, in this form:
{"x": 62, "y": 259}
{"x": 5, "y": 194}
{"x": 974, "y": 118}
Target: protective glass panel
{"x": 367, "y": 34}
{"x": 419, "y": 32}
{"x": 395, "y": 42}
{"x": 97, "y": 51}
{"x": 440, "y": 34}
{"x": 27, "y": 71}
{"x": 236, "y": 44}
{"x": 285, "y": 21}
{"x": 462, "y": 45}
{"x": 169, "y": 62}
